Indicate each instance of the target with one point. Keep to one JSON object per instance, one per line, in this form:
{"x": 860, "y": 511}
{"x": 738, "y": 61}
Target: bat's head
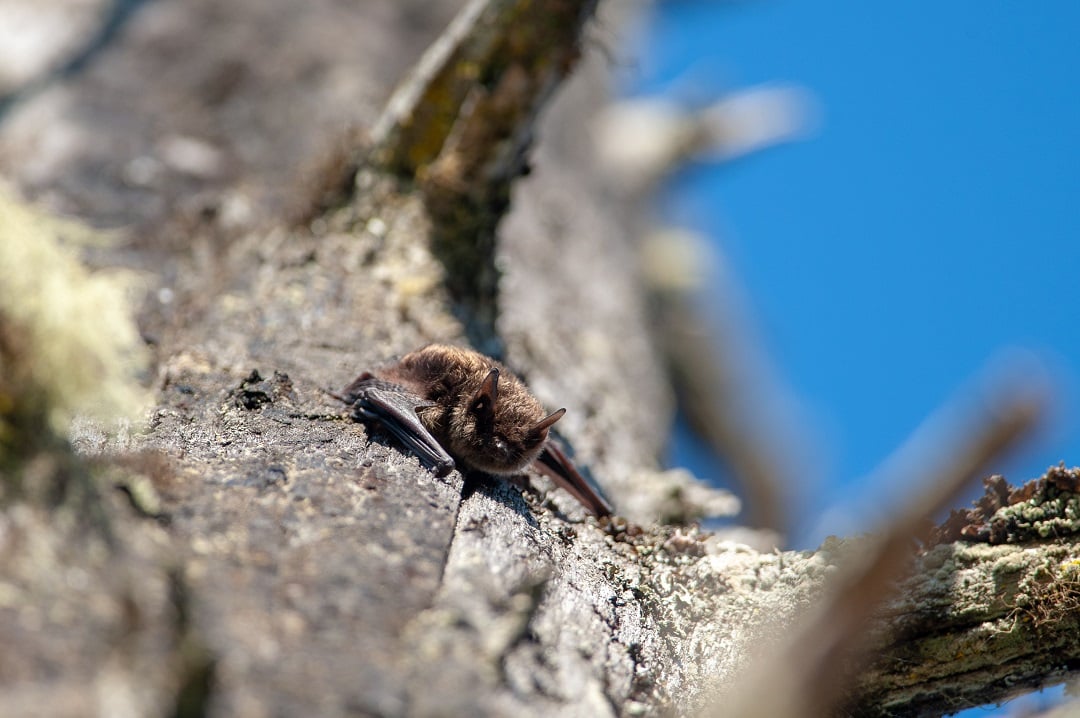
{"x": 500, "y": 427}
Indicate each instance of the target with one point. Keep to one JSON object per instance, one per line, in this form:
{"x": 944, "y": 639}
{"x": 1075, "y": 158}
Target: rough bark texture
{"x": 973, "y": 616}
{"x": 268, "y": 557}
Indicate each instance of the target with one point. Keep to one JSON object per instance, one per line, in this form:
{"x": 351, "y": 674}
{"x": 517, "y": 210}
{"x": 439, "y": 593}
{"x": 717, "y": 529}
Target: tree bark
{"x": 268, "y": 556}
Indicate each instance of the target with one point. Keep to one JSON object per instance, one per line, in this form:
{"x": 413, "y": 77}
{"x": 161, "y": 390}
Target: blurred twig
{"x": 809, "y": 673}
{"x": 708, "y": 377}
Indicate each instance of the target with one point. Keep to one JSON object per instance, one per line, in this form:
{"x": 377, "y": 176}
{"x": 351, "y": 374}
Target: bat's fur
{"x": 474, "y": 408}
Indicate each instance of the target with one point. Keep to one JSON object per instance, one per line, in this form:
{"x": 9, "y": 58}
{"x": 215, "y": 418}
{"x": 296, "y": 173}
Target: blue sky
{"x": 932, "y": 220}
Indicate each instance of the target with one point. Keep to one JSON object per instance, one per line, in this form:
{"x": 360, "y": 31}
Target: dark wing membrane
{"x": 394, "y": 407}
{"x": 554, "y": 463}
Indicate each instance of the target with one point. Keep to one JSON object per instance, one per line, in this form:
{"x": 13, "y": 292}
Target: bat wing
{"x": 394, "y": 407}
{"x": 556, "y": 465}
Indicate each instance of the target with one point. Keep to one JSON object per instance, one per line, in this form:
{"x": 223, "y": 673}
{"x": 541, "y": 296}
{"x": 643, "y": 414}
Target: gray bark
{"x": 294, "y": 563}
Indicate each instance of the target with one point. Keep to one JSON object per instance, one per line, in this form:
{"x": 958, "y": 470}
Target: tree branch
{"x": 461, "y": 125}
{"x": 281, "y": 559}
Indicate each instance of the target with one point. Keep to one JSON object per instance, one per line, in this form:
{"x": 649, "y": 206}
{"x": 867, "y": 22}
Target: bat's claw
{"x": 442, "y": 468}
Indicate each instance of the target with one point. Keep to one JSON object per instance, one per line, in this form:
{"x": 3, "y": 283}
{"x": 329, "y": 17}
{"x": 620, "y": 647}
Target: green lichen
{"x": 67, "y": 343}
{"x": 77, "y": 342}
{"x": 1046, "y": 516}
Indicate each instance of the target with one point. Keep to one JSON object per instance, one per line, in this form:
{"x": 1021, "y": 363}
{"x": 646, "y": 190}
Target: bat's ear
{"x": 483, "y": 403}
{"x": 541, "y": 427}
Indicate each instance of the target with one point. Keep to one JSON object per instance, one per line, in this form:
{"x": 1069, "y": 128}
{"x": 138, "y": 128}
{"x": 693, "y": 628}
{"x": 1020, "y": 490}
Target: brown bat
{"x": 454, "y": 406}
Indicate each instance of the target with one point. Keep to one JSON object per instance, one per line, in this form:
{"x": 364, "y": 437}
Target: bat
{"x": 456, "y": 407}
